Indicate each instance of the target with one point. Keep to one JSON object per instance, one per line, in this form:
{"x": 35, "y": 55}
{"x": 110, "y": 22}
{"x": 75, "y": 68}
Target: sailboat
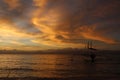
{"x": 90, "y": 46}
{"x": 91, "y": 51}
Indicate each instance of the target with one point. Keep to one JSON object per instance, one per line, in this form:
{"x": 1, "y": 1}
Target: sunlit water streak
{"x": 58, "y": 65}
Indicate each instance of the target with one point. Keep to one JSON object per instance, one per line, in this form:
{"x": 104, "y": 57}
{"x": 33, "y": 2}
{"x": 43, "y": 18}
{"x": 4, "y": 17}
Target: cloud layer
{"x": 59, "y": 23}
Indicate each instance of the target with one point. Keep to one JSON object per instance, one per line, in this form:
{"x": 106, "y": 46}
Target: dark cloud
{"x": 80, "y": 19}
{"x": 18, "y": 15}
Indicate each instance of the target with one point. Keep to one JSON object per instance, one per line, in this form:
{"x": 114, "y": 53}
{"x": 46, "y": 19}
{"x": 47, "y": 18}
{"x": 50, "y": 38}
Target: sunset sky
{"x": 56, "y": 24}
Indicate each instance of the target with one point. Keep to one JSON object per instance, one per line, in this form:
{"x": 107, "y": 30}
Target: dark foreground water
{"x": 60, "y": 66}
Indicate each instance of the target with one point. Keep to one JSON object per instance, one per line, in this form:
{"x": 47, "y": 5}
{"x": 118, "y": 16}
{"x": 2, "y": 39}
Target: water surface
{"x": 58, "y": 65}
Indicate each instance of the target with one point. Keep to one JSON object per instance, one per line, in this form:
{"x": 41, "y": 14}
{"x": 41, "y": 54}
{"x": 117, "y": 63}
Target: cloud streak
{"x": 60, "y": 21}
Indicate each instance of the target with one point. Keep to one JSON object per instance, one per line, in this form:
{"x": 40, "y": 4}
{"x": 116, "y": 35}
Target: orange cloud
{"x": 59, "y": 23}
{"x": 40, "y": 3}
{"x": 8, "y": 30}
{"x": 55, "y": 29}
{"x": 13, "y": 4}
{"x": 93, "y": 34}
{"x": 11, "y": 36}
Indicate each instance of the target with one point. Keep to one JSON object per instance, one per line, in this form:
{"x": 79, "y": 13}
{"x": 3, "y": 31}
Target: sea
{"x": 106, "y": 65}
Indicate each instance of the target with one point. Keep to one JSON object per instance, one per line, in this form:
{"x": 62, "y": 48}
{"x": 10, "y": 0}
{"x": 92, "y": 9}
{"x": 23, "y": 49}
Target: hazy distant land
{"x": 57, "y": 51}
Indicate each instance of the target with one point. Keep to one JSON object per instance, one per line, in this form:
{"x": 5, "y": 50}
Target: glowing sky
{"x": 51, "y": 24}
